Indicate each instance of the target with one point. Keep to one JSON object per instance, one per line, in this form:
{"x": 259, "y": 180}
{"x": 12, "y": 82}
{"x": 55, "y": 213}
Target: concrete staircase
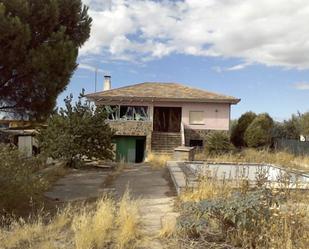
{"x": 165, "y": 142}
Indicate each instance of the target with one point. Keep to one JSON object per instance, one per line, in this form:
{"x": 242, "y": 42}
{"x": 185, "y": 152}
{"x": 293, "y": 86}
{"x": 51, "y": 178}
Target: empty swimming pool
{"x": 272, "y": 174}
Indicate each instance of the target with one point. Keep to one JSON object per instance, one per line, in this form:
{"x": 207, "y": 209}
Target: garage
{"x": 130, "y": 148}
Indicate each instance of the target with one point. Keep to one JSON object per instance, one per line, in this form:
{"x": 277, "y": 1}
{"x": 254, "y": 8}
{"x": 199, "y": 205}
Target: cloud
{"x": 238, "y": 67}
{"x": 301, "y": 85}
{"x": 90, "y": 68}
{"x": 273, "y": 33}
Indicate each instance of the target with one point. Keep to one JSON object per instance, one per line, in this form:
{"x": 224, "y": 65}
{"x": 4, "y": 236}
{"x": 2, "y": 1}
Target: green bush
{"x": 238, "y": 130}
{"x": 218, "y": 142}
{"x": 19, "y": 182}
{"x": 259, "y": 132}
{"x": 77, "y": 131}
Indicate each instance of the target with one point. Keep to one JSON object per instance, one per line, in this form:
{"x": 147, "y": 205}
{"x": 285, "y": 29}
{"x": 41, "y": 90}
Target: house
{"x": 157, "y": 117}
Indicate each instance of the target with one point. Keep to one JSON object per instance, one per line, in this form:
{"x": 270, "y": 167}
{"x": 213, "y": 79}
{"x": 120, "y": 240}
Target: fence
{"x": 292, "y": 145}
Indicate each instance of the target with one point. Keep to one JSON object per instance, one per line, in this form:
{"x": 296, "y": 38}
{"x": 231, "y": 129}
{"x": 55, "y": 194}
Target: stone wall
{"x": 133, "y": 128}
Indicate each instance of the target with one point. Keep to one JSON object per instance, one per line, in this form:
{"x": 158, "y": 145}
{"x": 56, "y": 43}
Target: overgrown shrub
{"x": 239, "y": 129}
{"x": 19, "y": 182}
{"x": 218, "y": 142}
{"x": 259, "y": 219}
{"x": 259, "y": 132}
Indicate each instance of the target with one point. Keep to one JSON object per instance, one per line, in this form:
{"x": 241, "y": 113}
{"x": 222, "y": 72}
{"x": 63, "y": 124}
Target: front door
{"x": 167, "y": 119}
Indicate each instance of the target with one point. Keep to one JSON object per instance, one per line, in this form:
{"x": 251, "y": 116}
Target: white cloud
{"x": 238, "y": 67}
{"x": 272, "y": 33}
{"x": 301, "y": 85}
{"x": 90, "y": 68}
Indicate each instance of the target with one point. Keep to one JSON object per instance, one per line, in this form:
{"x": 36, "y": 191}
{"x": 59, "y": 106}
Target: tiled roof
{"x": 158, "y": 91}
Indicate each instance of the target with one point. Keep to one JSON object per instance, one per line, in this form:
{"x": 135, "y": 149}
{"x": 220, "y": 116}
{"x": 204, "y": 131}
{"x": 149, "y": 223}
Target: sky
{"x": 257, "y": 51}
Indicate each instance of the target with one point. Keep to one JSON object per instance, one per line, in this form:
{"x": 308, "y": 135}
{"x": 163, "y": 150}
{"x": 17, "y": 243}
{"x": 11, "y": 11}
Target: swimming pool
{"x": 272, "y": 174}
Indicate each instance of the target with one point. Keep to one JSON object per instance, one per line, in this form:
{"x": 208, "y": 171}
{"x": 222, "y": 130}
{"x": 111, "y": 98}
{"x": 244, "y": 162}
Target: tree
{"x": 259, "y": 132}
{"x": 39, "y": 45}
{"x": 304, "y": 124}
{"x": 77, "y": 131}
{"x": 238, "y": 130}
{"x": 290, "y": 129}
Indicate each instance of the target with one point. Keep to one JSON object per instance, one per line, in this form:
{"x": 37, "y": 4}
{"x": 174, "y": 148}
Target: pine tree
{"x": 76, "y": 131}
{"x": 39, "y": 45}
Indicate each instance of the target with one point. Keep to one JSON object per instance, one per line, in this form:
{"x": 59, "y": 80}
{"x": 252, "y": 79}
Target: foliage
{"x": 253, "y": 219}
{"x": 39, "y": 45}
{"x": 304, "y": 124}
{"x": 259, "y": 132}
{"x": 77, "y": 131}
{"x": 218, "y": 142}
{"x": 238, "y": 211}
{"x": 238, "y": 130}
{"x": 292, "y": 128}
{"x": 289, "y": 129}
{"x": 18, "y": 179}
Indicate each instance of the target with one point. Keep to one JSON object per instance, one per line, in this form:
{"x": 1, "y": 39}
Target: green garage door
{"x": 130, "y": 149}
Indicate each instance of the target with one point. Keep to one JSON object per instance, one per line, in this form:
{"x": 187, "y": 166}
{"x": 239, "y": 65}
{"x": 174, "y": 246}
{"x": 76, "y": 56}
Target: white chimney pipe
{"x": 107, "y": 83}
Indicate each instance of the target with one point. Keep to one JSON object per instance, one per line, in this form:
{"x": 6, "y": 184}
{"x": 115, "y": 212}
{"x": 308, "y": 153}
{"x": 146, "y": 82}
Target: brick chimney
{"x": 107, "y": 83}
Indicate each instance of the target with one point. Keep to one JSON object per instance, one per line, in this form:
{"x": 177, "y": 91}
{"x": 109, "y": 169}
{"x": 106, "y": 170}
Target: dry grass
{"x": 207, "y": 188}
{"x": 169, "y": 227}
{"x": 128, "y": 222}
{"x": 286, "y": 228}
{"x": 157, "y": 160}
{"x": 281, "y": 158}
{"x": 105, "y": 224}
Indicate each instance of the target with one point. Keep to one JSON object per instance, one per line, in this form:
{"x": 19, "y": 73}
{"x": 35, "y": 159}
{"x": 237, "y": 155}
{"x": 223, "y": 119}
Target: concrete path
{"x": 153, "y": 188}
{"x": 79, "y": 185}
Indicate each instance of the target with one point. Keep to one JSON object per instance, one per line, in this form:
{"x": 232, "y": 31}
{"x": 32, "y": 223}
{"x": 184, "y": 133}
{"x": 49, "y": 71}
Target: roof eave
{"x": 105, "y": 99}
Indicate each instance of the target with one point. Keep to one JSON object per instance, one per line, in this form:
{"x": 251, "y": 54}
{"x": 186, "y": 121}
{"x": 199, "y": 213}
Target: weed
{"x": 157, "y": 160}
{"x": 104, "y": 224}
{"x": 128, "y": 222}
{"x": 281, "y": 158}
{"x": 218, "y": 217}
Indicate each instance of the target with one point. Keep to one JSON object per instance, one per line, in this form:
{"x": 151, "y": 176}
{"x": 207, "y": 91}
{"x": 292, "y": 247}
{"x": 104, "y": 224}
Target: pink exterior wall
{"x": 216, "y": 115}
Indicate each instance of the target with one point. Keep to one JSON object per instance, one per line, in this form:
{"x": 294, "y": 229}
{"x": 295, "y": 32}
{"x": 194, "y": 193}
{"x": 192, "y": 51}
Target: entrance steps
{"x": 165, "y": 142}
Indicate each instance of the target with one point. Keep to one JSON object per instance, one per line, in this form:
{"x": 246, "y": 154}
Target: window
{"x": 138, "y": 113}
{"x": 112, "y": 111}
{"x": 196, "y": 117}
